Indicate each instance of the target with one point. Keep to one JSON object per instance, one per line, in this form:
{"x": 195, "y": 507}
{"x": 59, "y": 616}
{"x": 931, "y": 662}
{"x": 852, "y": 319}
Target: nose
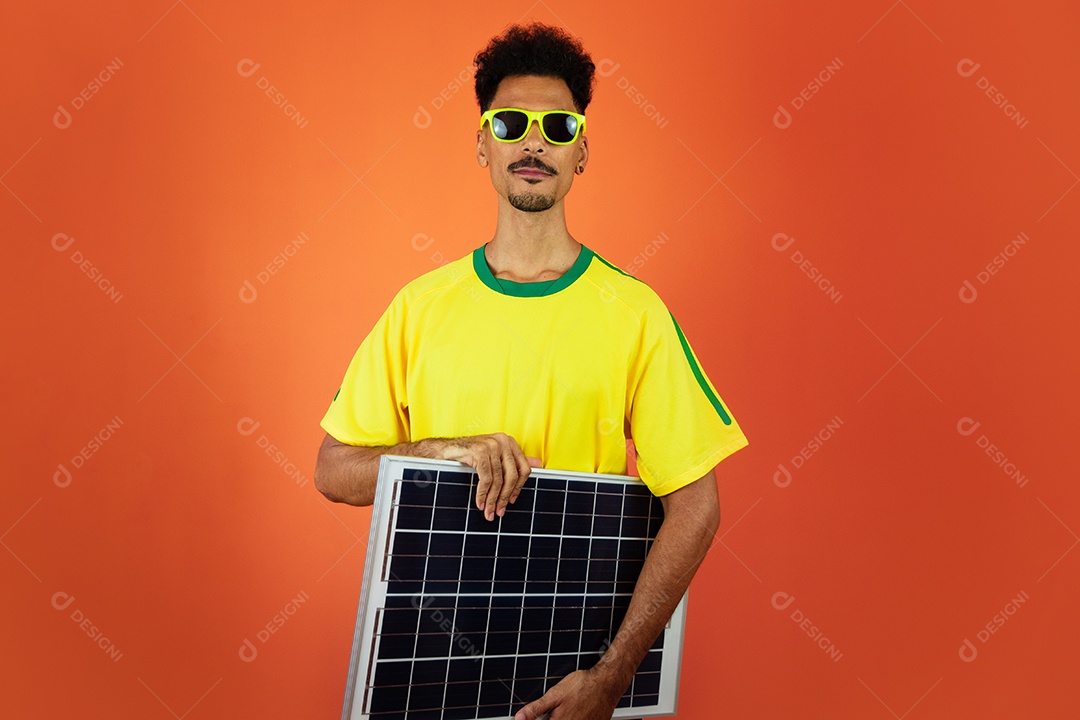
{"x": 534, "y": 140}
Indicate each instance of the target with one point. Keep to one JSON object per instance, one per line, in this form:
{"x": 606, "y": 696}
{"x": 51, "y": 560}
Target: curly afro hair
{"x": 534, "y": 49}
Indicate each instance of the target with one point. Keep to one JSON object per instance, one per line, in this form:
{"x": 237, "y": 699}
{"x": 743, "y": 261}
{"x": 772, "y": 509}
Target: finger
{"x": 515, "y": 472}
{"x": 538, "y": 707}
{"x": 495, "y": 486}
{"x": 483, "y": 476}
{"x": 524, "y": 468}
{"x": 535, "y": 461}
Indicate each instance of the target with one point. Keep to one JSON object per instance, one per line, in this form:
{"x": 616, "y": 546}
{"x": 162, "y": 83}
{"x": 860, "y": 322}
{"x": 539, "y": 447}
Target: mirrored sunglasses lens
{"x": 509, "y": 124}
{"x": 560, "y": 127}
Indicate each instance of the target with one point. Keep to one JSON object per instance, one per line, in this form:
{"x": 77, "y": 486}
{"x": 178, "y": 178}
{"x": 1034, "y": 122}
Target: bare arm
{"x": 691, "y": 519}
{"x": 348, "y": 473}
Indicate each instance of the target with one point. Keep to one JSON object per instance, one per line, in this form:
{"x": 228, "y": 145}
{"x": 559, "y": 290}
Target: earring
{"x": 580, "y": 169}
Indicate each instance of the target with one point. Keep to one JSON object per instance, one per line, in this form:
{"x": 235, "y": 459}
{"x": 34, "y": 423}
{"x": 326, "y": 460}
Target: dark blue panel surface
{"x": 562, "y": 565}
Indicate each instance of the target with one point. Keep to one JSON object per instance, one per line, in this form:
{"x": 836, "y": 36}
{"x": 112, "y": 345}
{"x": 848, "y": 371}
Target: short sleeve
{"x": 371, "y": 406}
{"x": 680, "y": 427}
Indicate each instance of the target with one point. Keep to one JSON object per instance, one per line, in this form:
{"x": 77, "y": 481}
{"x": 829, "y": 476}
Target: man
{"x": 534, "y": 351}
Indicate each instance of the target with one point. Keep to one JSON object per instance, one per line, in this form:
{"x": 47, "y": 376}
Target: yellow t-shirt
{"x": 562, "y": 366}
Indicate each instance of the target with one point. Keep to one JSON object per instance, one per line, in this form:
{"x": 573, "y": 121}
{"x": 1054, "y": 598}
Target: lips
{"x": 532, "y": 172}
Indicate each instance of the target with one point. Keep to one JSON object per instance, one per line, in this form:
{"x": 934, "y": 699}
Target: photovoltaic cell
{"x": 462, "y": 618}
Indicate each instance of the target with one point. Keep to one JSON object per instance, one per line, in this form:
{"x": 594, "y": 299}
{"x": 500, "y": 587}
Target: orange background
{"x": 180, "y": 180}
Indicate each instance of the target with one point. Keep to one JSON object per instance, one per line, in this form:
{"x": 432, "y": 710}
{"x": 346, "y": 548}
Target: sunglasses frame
{"x": 532, "y": 116}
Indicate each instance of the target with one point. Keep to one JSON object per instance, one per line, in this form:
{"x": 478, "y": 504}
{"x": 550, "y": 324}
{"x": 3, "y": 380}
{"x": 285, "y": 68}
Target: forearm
{"x": 678, "y": 550}
{"x": 348, "y": 473}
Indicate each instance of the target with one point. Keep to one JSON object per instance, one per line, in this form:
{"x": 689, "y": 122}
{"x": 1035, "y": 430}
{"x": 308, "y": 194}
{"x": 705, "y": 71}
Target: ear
{"x": 481, "y": 151}
{"x": 583, "y": 153}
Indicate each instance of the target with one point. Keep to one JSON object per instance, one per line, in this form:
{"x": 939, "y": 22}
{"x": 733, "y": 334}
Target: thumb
{"x": 535, "y": 461}
{"x": 536, "y": 708}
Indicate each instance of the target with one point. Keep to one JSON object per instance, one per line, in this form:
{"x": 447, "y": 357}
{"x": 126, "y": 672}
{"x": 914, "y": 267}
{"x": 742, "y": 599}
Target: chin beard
{"x": 531, "y": 202}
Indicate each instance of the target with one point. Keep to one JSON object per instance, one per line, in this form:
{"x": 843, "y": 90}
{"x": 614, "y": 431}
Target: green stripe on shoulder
{"x": 717, "y": 405}
{"x": 336, "y": 394}
{"x": 616, "y": 268}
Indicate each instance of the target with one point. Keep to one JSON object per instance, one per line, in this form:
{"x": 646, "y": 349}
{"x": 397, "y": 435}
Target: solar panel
{"x": 461, "y": 618}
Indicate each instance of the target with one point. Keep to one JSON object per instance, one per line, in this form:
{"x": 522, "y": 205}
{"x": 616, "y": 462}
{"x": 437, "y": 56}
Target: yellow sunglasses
{"x": 559, "y": 127}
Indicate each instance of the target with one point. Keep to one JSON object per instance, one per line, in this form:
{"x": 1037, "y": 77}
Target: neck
{"x": 530, "y": 247}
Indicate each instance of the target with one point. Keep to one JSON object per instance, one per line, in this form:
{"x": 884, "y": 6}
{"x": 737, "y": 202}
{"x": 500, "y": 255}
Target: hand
{"x": 581, "y": 695}
{"x": 501, "y": 465}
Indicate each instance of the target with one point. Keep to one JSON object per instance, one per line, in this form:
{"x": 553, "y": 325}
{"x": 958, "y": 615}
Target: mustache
{"x": 531, "y": 162}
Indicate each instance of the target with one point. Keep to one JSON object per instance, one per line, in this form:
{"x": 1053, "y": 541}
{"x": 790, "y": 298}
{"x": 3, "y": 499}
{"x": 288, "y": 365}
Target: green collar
{"x": 530, "y": 289}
